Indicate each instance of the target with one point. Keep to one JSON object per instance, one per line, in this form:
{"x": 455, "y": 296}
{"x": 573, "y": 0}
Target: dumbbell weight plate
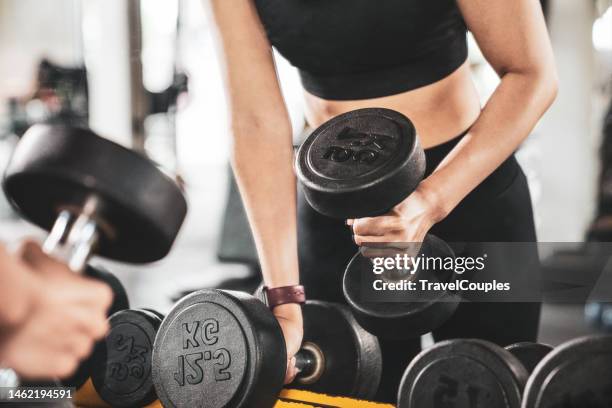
{"x": 219, "y": 349}
{"x": 360, "y": 163}
{"x": 463, "y": 373}
{"x": 353, "y": 362}
{"x": 122, "y": 375}
{"x": 120, "y": 302}
{"x": 528, "y": 353}
{"x": 356, "y": 367}
{"x": 401, "y": 314}
{"x": 58, "y": 167}
{"x": 577, "y": 373}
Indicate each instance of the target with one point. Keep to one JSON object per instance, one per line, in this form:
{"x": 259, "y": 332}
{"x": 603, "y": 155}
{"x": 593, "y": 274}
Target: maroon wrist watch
{"x": 284, "y": 295}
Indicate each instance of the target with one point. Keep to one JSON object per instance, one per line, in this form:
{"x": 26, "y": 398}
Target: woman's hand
{"x": 289, "y": 317}
{"x": 407, "y": 222}
{"x": 65, "y": 315}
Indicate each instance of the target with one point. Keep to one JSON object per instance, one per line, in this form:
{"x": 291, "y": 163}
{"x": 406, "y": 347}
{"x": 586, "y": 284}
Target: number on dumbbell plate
{"x": 362, "y": 139}
{"x": 190, "y": 366}
{"x": 221, "y": 373}
{"x": 191, "y": 369}
{"x": 447, "y": 391}
{"x": 196, "y": 372}
{"x": 132, "y": 363}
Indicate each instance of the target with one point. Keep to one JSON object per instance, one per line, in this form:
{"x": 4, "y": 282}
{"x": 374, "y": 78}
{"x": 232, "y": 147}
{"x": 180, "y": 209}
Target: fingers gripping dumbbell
{"x": 94, "y": 196}
{"x": 361, "y": 164}
{"x": 120, "y": 302}
{"x": 310, "y": 359}
{"x": 225, "y": 349}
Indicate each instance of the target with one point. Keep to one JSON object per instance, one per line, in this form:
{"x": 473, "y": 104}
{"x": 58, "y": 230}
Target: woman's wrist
{"x": 289, "y": 311}
{"x": 437, "y": 208}
{"x": 285, "y": 294}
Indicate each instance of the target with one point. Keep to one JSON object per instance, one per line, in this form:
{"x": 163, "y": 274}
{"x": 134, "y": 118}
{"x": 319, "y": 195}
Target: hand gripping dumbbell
{"x": 121, "y": 375}
{"x": 226, "y": 349}
{"x": 469, "y": 373}
{"x": 361, "y": 164}
{"x": 94, "y": 196}
{"x": 120, "y": 302}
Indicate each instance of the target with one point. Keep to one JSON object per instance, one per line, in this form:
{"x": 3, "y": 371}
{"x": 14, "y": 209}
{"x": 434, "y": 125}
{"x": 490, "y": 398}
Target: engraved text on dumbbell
{"x": 447, "y": 392}
{"x": 191, "y": 366}
{"x": 133, "y": 363}
{"x": 362, "y": 139}
{"x": 371, "y": 143}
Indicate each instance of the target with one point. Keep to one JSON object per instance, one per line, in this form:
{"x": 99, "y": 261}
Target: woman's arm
{"x": 262, "y": 150}
{"x": 512, "y": 36}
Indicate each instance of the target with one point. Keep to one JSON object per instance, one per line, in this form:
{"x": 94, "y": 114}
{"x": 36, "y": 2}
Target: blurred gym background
{"x": 145, "y": 74}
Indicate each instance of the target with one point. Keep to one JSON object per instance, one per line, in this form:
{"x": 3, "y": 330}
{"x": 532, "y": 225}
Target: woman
{"x": 406, "y": 55}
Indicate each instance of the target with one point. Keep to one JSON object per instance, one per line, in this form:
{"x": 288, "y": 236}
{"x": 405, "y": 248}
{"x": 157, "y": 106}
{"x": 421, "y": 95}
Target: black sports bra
{"x": 359, "y": 49}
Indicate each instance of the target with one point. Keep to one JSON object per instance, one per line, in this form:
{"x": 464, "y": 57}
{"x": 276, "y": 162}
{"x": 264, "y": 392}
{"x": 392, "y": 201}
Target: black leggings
{"x": 498, "y": 210}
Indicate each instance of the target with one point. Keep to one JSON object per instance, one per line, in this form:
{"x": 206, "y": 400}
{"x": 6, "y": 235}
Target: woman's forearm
{"x": 506, "y": 120}
{"x": 262, "y": 158}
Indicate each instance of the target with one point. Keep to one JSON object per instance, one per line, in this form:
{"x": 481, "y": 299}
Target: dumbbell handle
{"x": 310, "y": 362}
{"x": 73, "y": 237}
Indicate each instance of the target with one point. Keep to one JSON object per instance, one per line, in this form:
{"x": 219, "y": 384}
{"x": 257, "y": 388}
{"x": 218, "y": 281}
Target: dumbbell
{"x": 120, "y": 302}
{"x": 361, "y": 164}
{"x": 226, "y": 349}
{"x": 122, "y": 362}
{"x": 577, "y": 373}
{"x": 469, "y": 373}
{"x": 94, "y": 196}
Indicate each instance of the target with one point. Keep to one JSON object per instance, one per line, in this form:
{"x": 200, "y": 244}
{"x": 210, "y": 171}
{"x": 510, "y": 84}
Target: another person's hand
{"x": 289, "y": 317}
{"x": 408, "y": 222}
{"x": 65, "y": 314}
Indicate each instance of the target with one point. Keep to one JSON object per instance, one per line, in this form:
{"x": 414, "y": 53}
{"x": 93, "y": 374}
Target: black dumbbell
{"x": 361, "y": 164}
{"x": 120, "y": 302}
{"x": 94, "y": 196}
{"x": 225, "y": 349}
{"x": 122, "y": 362}
{"x": 577, "y": 373}
{"x": 468, "y": 373}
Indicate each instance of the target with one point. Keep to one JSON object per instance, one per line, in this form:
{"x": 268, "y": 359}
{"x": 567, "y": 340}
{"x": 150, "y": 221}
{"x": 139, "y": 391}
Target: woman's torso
{"x": 407, "y": 55}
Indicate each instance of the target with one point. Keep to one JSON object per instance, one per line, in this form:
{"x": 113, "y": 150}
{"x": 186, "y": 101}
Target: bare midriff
{"x": 439, "y": 111}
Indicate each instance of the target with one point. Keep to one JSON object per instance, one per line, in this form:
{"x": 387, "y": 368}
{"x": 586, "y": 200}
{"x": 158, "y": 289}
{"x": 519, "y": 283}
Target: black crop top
{"x": 359, "y": 49}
